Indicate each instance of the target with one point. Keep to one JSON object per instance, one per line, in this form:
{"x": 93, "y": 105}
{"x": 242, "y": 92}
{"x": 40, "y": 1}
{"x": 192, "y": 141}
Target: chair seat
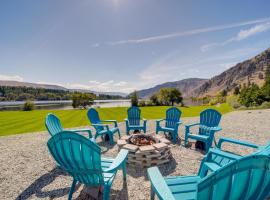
{"x": 166, "y": 129}
{"x": 183, "y": 187}
{"x": 136, "y": 126}
{"x": 198, "y": 137}
{"x": 113, "y": 130}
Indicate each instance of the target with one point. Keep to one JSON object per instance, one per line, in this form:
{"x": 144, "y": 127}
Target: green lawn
{"x": 16, "y": 122}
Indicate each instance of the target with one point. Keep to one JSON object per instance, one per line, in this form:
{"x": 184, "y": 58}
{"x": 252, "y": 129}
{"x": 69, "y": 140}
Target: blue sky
{"x": 122, "y": 45}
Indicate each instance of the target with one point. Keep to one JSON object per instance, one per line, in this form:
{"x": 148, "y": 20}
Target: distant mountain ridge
{"x": 186, "y": 86}
{"x": 246, "y": 72}
{"x": 54, "y": 87}
{"x": 249, "y": 71}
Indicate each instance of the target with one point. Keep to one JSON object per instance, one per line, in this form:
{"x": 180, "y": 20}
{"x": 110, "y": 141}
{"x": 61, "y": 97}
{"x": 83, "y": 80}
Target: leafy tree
{"x": 175, "y": 96}
{"x": 134, "y": 98}
{"x": 223, "y": 93}
{"x": 169, "y": 96}
{"x": 236, "y": 90}
{"x": 266, "y": 86}
{"x": 82, "y": 99}
{"x": 154, "y": 99}
{"x": 251, "y": 96}
{"x": 28, "y": 106}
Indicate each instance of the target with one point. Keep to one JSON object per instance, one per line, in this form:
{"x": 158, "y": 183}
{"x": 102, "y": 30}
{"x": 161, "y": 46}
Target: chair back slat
{"x": 134, "y": 116}
{"x": 93, "y": 117}
{"x": 53, "y": 124}
{"x": 172, "y": 117}
{"x": 247, "y": 178}
{"x": 77, "y": 155}
{"x": 209, "y": 118}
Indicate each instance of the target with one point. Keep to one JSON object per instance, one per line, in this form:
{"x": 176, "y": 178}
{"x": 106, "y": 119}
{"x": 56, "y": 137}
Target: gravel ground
{"x": 28, "y": 172}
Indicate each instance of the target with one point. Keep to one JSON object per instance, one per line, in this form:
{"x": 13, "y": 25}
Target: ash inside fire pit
{"x": 142, "y": 140}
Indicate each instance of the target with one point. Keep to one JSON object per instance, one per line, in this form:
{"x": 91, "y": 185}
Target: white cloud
{"x": 242, "y": 35}
{"x": 95, "y": 45}
{"x": 107, "y": 86}
{"x": 10, "y": 77}
{"x": 188, "y": 33}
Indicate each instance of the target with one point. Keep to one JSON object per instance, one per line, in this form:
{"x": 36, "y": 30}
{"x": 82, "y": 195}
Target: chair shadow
{"x": 93, "y": 194}
{"x": 36, "y": 187}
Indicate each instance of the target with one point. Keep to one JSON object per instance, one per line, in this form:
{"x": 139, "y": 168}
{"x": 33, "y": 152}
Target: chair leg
{"x": 124, "y": 169}
{"x": 111, "y": 138}
{"x": 119, "y": 134}
{"x": 72, "y": 189}
{"x": 152, "y": 194}
{"x": 106, "y": 192}
{"x": 186, "y": 139}
{"x": 174, "y": 135}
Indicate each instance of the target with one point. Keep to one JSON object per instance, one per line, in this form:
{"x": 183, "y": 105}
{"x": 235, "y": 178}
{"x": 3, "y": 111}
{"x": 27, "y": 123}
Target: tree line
{"x": 165, "y": 97}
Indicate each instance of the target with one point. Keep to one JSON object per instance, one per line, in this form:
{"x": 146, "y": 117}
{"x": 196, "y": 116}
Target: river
{"x": 63, "y": 105}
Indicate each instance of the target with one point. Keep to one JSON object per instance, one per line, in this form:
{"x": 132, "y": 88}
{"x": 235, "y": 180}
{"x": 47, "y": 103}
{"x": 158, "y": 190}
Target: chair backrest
{"x": 77, "y": 155}
{"x": 172, "y": 117}
{"x": 247, "y": 178}
{"x": 93, "y": 117}
{"x": 209, "y": 117}
{"x": 134, "y": 115}
{"x": 53, "y": 124}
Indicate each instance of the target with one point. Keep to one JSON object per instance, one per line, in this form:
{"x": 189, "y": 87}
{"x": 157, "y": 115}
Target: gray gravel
{"x": 28, "y": 172}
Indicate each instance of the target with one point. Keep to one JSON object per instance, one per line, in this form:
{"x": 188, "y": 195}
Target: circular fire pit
{"x": 145, "y": 150}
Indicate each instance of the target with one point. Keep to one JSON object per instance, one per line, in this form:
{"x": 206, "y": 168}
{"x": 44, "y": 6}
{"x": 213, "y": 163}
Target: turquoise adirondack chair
{"x": 208, "y": 126}
{"x": 172, "y": 122}
{"x": 246, "y": 179}
{"x": 101, "y": 128}
{"x": 81, "y": 158}
{"x": 217, "y": 157}
{"x": 133, "y": 121}
{"x": 54, "y": 126}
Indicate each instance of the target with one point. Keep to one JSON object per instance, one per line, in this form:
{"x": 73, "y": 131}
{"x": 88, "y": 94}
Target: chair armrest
{"x": 158, "y": 184}
{"x": 101, "y": 125}
{"x": 178, "y": 123}
{"x": 84, "y": 130}
{"x": 234, "y": 141}
{"x": 190, "y": 125}
{"x": 217, "y": 152}
{"x": 111, "y": 121}
{"x": 160, "y": 120}
{"x": 211, "y": 128}
{"x": 118, "y": 161}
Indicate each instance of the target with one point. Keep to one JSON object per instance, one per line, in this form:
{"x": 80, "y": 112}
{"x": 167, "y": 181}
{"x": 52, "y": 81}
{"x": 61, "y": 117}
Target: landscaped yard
{"x": 16, "y": 122}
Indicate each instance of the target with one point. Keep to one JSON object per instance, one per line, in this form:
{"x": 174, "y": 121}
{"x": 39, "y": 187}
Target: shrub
{"x": 233, "y": 102}
{"x": 142, "y": 103}
{"x": 265, "y": 105}
{"x": 134, "y": 98}
{"x": 82, "y": 99}
{"x": 28, "y": 106}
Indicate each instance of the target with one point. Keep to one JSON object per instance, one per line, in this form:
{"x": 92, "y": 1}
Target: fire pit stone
{"x": 146, "y": 150}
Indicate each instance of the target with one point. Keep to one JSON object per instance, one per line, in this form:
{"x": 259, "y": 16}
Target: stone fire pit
{"x": 146, "y": 150}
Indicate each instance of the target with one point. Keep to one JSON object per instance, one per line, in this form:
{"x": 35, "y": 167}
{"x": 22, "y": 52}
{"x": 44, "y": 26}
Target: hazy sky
{"x": 122, "y": 45}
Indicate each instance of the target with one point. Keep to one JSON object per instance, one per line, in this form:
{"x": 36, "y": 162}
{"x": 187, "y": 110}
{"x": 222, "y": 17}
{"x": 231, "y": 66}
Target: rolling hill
{"x": 249, "y": 71}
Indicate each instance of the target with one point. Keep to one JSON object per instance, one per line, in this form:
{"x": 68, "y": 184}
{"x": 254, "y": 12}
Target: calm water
{"x": 63, "y": 105}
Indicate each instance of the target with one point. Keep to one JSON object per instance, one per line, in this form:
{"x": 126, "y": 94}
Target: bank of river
{"x": 63, "y": 104}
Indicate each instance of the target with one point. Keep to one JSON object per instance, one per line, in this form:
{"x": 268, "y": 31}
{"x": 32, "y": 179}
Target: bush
{"x": 142, "y": 103}
{"x": 265, "y": 105}
{"x": 233, "y": 102}
{"x": 134, "y": 98}
{"x": 82, "y": 99}
{"x": 28, "y": 106}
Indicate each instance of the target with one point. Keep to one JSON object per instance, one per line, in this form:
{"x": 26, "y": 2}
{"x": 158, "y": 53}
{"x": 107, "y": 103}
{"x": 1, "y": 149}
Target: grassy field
{"x": 17, "y": 122}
